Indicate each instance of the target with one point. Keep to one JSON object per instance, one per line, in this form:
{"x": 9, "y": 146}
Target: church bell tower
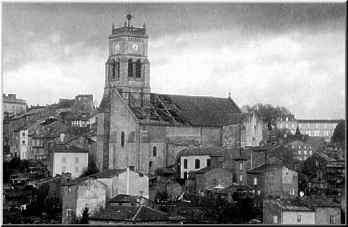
{"x": 127, "y": 69}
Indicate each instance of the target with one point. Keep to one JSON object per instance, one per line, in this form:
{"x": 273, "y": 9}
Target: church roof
{"x": 181, "y": 110}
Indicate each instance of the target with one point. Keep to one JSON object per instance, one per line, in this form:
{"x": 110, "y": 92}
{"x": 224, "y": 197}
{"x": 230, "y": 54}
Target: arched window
{"x": 138, "y": 69}
{"x": 112, "y": 69}
{"x": 130, "y": 68}
{"x": 197, "y": 164}
{"x": 117, "y": 69}
{"x": 122, "y": 139}
{"x": 154, "y": 151}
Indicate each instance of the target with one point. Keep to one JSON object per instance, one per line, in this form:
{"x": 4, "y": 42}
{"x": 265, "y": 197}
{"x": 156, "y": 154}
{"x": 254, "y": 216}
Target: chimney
{"x": 62, "y": 136}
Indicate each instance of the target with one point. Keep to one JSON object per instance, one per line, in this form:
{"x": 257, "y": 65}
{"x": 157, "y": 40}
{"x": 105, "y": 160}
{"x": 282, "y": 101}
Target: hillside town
{"x": 140, "y": 157}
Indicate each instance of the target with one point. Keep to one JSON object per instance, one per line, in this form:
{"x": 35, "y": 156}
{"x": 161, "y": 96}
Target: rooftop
{"x": 211, "y": 151}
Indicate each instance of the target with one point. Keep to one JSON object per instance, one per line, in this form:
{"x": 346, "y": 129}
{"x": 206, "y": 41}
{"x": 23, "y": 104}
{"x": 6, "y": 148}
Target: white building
{"x": 252, "y": 130}
{"x": 194, "y": 159}
{"x": 68, "y": 159}
{"x": 23, "y": 144}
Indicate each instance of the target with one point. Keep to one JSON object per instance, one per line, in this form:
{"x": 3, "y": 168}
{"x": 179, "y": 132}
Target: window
{"x": 305, "y": 152}
{"x": 208, "y": 162}
{"x": 275, "y": 219}
{"x": 292, "y": 191}
{"x": 23, "y": 142}
{"x": 332, "y": 219}
{"x": 316, "y": 163}
{"x": 63, "y": 159}
{"x": 23, "y": 133}
{"x": 299, "y": 152}
{"x": 138, "y": 69}
{"x": 122, "y": 139}
{"x": 241, "y": 166}
{"x": 240, "y": 178}
{"x": 69, "y": 212}
{"x": 185, "y": 163}
{"x": 150, "y": 164}
{"x": 130, "y": 68}
{"x": 310, "y": 152}
{"x": 76, "y": 160}
{"x": 112, "y": 69}
{"x": 197, "y": 164}
{"x": 154, "y": 151}
{"x": 298, "y": 218}
{"x": 117, "y": 66}
{"x": 255, "y": 180}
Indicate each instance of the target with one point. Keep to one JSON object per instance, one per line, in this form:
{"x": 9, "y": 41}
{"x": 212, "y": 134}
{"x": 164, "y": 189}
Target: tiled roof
{"x": 63, "y": 148}
{"x": 108, "y": 173}
{"x": 130, "y": 214}
{"x": 184, "y": 110}
{"x": 211, "y": 151}
{"x": 289, "y": 205}
{"x": 262, "y": 168}
{"x": 123, "y": 198}
{"x": 317, "y": 121}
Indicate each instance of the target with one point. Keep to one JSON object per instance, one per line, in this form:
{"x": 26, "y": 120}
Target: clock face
{"x": 134, "y": 48}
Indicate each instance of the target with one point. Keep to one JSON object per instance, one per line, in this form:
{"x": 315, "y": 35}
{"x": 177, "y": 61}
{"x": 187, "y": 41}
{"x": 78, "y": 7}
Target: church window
{"x": 117, "y": 70}
{"x": 122, "y": 139}
{"x": 112, "y": 69}
{"x": 130, "y": 68}
{"x": 154, "y": 151}
{"x": 197, "y": 163}
{"x": 138, "y": 69}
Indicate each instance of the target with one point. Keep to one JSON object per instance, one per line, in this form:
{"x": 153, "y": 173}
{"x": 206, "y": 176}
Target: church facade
{"x": 144, "y": 130}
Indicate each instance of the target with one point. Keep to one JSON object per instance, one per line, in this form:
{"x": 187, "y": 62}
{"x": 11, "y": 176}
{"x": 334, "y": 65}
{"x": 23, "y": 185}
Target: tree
{"x": 268, "y": 113}
{"x": 339, "y": 133}
{"x": 85, "y": 216}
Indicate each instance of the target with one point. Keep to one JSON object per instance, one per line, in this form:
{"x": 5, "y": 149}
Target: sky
{"x": 290, "y": 55}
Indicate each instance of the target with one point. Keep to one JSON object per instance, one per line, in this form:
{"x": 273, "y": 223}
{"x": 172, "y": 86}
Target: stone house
{"x": 124, "y": 181}
{"x": 146, "y": 130}
{"x": 279, "y": 211}
{"x": 67, "y": 159}
{"x": 194, "y": 159}
{"x": 273, "y": 180}
{"x": 208, "y": 178}
{"x": 80, "y": 193}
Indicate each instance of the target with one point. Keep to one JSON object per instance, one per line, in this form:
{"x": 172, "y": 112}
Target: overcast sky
{"x": 291, "y": 55}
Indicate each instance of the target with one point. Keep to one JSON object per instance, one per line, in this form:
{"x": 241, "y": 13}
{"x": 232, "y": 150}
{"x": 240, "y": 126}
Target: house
{"x": 273, "y": 179}
{"x": 80, "y": 193}
{"x": 23, "y": 144}
{"x": 146, "y": 130}
{"x": 208, "y": 178}
{"x": 13, "y": 106}
{"x": 326, "y": 210}
{"x": 67, "y": 159}
{"x": 300, "y": 149}
{"x": 194, "y": 159}
{"x": 283, "y": 211}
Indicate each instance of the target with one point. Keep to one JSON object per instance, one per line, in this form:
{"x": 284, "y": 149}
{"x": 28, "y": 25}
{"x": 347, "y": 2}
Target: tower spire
{"x": 129, "y": 18}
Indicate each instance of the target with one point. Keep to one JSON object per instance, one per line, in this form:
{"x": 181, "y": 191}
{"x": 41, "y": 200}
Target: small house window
{"x": 332, "y": 219}
{"x": 208, "y": 162}
{"x": 154, "y": 151}
{"x": 292, "y": 191}
{"x": 69, "y": 212}
{"x": 197, "y": 164}
{"x": 122, "y": 139}
{"x": 275, "y": 219}
{"x": 240, "y": 178}
{"x": 23, "y": 142}
{"x": 23, "y": 133}
{"x": 298, "y": 218}
{"x": 185, "y": 163}
{"x": 255, "y": 180}
{"x": 150, "y": 164}
{"x": 241, "y": 166}
{"x": 316, "y": 163}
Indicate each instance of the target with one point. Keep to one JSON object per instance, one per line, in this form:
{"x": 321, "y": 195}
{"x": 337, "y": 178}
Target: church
{"x": 145, "y": 131}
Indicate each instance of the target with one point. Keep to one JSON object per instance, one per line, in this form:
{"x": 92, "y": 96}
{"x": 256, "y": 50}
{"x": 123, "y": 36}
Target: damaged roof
{"x": 181, "y": 110}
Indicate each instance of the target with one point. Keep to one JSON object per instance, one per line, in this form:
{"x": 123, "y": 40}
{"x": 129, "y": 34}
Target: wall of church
{"x": 122, "y": 128}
